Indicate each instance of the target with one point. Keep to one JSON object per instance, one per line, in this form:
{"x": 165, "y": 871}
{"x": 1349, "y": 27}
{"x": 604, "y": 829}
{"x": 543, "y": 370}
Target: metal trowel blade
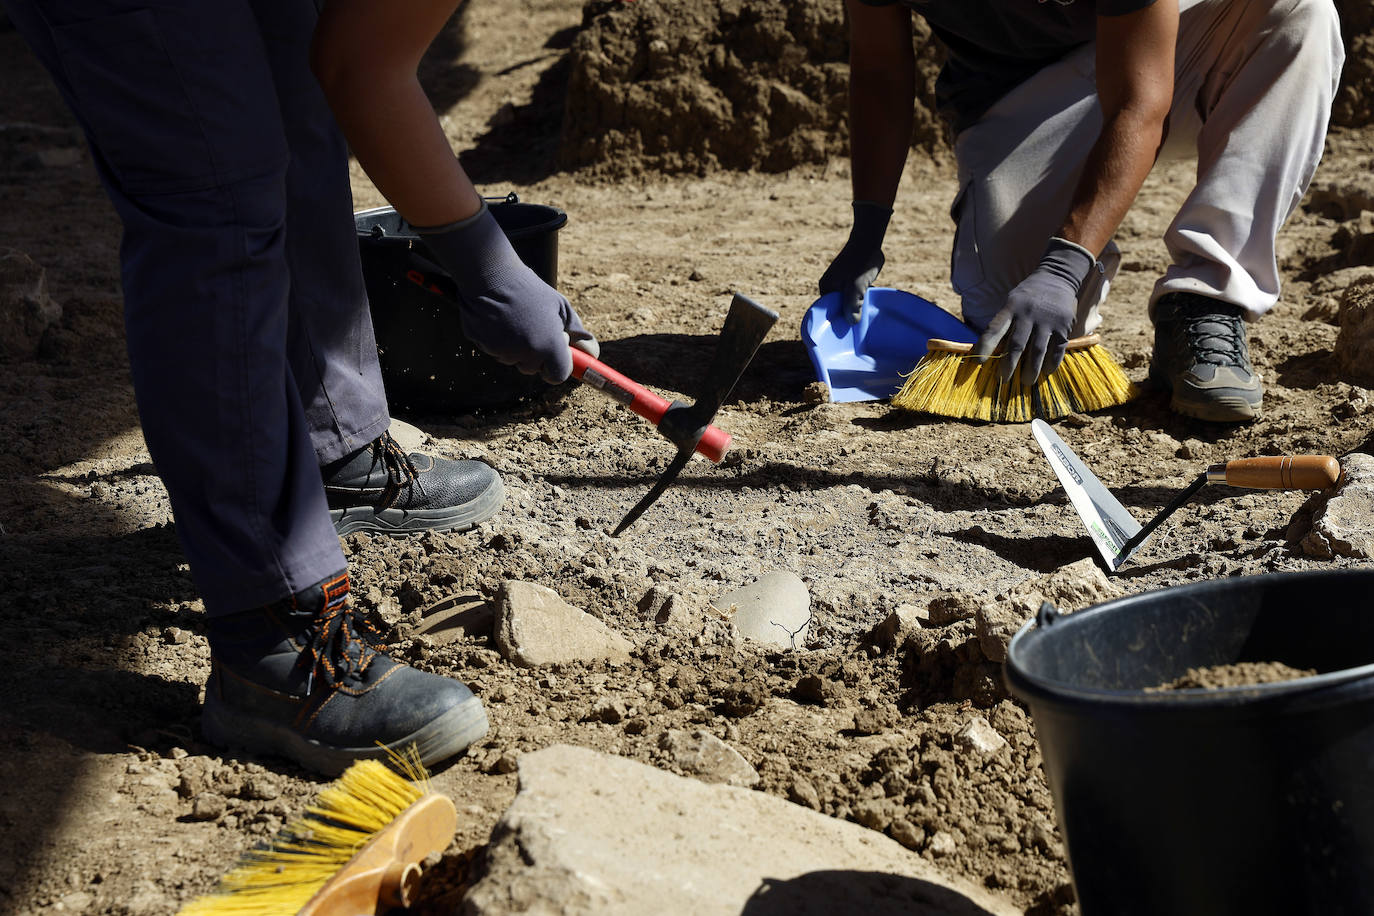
{"x": 1107, "y": 521}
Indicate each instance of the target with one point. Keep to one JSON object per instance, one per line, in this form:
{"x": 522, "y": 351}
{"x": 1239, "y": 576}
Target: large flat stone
{"x": 590, "y": 834}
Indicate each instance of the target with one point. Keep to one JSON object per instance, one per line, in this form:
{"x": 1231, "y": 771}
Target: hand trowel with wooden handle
{"x": 1118, "y": 535}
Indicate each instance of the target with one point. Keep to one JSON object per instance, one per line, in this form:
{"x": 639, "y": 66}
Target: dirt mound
{"x": 694, "y": 85}
{"x": 1355, "y": 102}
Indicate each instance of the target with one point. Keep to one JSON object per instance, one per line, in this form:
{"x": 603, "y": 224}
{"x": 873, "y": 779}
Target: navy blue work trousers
{"x": 250, "y": 342}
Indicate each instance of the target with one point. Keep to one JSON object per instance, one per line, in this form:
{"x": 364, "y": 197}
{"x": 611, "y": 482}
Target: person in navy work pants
{"x": 1060, "y": 110}
{"x": 252, "y": 353}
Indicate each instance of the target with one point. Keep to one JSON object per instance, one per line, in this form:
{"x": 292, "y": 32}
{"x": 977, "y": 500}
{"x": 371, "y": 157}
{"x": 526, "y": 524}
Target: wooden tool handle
{"x": 715, "y": 442}
{"x": 1279, "y": 472}
{"x": 382, "y": 874}
{"x": 940, "y": 345}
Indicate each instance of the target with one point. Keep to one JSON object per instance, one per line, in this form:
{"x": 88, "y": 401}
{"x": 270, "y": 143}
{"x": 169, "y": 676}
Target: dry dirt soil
{"x": 111, "y": 803}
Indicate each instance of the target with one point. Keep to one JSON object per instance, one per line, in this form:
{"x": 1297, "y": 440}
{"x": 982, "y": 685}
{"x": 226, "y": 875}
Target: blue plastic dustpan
{"x": 867, "y": 361}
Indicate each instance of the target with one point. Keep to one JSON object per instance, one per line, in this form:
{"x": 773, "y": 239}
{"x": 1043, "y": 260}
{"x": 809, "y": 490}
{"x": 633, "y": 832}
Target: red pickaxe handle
{"x": 592, "y": 371}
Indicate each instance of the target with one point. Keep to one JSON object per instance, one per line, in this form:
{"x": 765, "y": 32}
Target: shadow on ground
{"x": 822, "y": 893}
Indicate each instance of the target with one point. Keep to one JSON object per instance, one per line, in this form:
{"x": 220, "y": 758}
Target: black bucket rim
{"x": 380, "y": 228}
{"x": 1034, "y": 687}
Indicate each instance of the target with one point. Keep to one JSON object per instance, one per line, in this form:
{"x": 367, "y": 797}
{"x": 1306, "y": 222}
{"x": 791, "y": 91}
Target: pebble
{"x": 708, "y": 758}
{"x": 977, "y": 735}
{"x": 609, "y": 710}
{"x": 873, "y": 814}
{"x": 941, "y": 844}
{"x": 77, "y": 901}
{"x": 208, "y": 806}
{"x": 900, "y": 624}
{"x": 906, "y": 833}
{"x": 803, "y": 792}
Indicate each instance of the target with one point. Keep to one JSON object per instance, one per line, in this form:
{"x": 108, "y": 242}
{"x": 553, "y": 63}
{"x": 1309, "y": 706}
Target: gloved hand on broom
{"x": 856, "y": 266}
{"x": 507, "y": 310}
{"x": 1039, "y": 314}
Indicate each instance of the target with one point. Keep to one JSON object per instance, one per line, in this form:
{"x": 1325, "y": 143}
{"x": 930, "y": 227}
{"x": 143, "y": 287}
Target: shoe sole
{"x": 407, "y": 521}
{"x": 1225, "y": 409}
{"x": 1215, "y": 407}
{"x": 440, "y": 739}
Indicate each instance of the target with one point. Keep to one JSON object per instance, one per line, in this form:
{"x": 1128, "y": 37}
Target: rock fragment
{"x": 1354, "y": 348}
{"x": 998, "y": 622}
{"x": 708, "y": 758}
{"x": 1070, "y": 588}
{"x": 1344, "y": 525}
{"x": 906, "y": 833}
{"x": 947, "y": 609}
{"x": 941, "y": 844}
{"x": 897, "y": 626}
{"x": 802, "y": 791}
{"x": 208, "y": 806}
{"x": 535, "y": 627}
{"x": 980, "y": 737}
{"x": 26, "y": 309}
{"x": 665, "y": 609}
{"x": 1076, "y": 586}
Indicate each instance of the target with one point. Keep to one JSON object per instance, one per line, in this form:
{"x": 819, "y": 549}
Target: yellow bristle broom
{"x": 950, "y": 382}
{"x": 358, "y": 849}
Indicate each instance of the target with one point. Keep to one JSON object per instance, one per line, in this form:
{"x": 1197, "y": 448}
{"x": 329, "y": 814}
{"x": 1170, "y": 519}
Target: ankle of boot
{"x": 258, "y": 629}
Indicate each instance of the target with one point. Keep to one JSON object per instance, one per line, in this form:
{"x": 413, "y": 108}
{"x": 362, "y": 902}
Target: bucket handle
{"x": 408, "y": 231}
{"x": 1047, "y": 614}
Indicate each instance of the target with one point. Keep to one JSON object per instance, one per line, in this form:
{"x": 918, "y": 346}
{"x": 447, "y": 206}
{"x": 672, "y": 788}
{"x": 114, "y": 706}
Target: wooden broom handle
{"x": 383, "y": 872}
{"x": 1278, "y": 472}
{"x": 940, "y": 345}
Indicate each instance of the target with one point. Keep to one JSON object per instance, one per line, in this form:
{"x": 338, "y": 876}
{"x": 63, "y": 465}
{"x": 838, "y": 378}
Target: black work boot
{"x": 380, "y": 488}
{"x": 306, "y": 678}
{"x": 1201, "y": 356}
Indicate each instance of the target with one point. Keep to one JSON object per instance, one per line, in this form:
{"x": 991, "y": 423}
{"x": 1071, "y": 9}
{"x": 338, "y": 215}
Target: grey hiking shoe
{"x": 1201, "y": 356}
{"x": 381, "y": 489}
{"x": 307, "y": 678}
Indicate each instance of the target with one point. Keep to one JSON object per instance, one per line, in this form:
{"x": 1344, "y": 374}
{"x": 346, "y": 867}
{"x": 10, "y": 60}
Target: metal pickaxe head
{"x": 688, "y": 425}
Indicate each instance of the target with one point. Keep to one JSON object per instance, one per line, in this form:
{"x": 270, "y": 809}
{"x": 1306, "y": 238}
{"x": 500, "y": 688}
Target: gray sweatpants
{"x": 1253, "y": 85}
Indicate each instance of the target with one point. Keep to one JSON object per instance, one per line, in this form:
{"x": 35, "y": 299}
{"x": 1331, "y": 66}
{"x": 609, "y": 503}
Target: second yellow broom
{"x": 950, "y": 382}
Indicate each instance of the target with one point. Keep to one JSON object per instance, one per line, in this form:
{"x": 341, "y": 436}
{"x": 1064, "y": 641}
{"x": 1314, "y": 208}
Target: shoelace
{"x": 342, "y": 642}
{"x": 400, "y": 472}
{"x": 1213, "y": 338}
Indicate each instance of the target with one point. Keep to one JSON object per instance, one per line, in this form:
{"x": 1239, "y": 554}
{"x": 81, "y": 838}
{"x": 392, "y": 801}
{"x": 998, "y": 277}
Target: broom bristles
{"x": 282, "y": 877}
{"x": 951, "y": 383}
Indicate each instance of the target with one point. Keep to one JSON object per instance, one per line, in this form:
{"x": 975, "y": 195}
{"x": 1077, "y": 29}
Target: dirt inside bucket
{"x": 1239, "y": 674}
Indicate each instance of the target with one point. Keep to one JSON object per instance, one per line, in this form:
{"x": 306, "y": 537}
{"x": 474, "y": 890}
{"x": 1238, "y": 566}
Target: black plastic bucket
{"x": 428, "y": 364}
{"x": 1207, "y": 802}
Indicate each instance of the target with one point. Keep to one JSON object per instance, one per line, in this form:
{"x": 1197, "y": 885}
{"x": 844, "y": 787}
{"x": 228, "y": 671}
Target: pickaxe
{"x": 688, "y": 426}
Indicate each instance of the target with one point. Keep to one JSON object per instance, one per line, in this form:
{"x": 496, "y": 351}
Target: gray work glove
{"x": 1039, "y": 314}
{"x": 856, "y": 266}
{"x": 506, "y": 310}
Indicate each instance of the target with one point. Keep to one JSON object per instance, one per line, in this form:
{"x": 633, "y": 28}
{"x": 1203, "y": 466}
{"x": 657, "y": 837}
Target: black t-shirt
{"x": 996, "y": 44}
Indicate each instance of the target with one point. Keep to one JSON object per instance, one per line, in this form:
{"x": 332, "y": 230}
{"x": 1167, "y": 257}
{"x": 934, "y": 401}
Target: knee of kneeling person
{"x": 1310, "y": 27}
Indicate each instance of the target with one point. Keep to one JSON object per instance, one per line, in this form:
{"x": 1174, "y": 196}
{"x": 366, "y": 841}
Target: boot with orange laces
{"x": 307, "y": 678}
